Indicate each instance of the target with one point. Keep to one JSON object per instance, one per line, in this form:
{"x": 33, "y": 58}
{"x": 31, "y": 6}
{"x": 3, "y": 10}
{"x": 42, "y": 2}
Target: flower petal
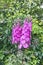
{"x": 20, "y": 46}
{"x": 25, "y": 45}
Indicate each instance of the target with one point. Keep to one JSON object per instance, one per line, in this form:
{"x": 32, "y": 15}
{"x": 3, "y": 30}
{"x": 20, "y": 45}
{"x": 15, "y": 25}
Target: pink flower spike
{"x": 16, "y": 33}
{"x": 26, "y": 34}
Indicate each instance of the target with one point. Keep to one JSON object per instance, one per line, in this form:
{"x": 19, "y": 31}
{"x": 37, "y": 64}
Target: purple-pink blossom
{"x": 21, "y": 34}
{"x": 26, "y": 34}
{"x": 16, "y": 33}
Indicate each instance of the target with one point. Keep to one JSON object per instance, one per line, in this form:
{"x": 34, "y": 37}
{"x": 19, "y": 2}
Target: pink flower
{"x": 16, "y": 33}
{"x": 21, "y": 35}
{"x": 26, "y": 34}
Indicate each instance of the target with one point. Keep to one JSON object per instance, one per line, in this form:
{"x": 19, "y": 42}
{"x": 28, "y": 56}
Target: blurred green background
{"x": 11, "y": 10}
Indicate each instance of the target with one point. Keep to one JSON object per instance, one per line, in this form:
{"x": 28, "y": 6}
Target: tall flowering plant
{"x": 21, "y": 34}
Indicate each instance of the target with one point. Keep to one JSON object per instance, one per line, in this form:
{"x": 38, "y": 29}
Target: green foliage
{"x": 11, "y": 10}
